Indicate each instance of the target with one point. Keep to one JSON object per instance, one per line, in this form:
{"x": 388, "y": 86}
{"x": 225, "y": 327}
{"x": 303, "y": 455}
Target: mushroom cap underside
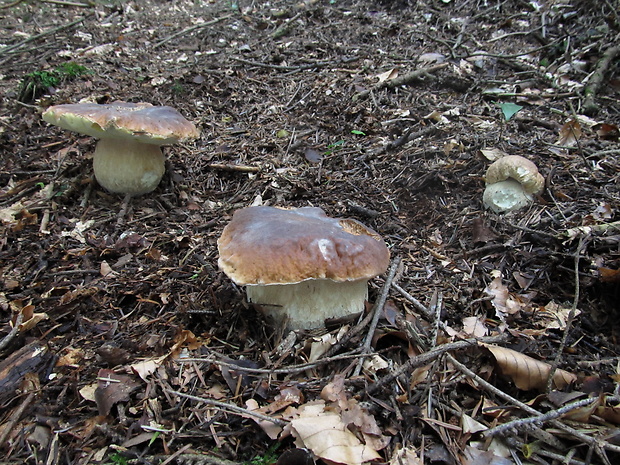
{"x": 518, "y": 168}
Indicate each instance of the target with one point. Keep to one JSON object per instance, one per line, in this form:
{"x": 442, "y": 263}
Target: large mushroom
{"x": 511, "y": 183}
{"x": 128, "y": 158}
{"x": 299, "y": 266}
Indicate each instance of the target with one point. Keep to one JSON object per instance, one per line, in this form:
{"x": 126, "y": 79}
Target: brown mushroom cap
{"x": 267, "y": 245}
{"x": 518, "y": 168}
{"x": 142, "y": 122}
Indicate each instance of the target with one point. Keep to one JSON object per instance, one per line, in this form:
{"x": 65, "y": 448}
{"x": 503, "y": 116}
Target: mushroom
{"x": 301, "y": 267}
{"x": 511, "y": 183}
{"x": 128, "y": 158}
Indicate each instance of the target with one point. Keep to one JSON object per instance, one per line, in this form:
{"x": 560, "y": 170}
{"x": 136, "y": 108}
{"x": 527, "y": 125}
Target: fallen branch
{"x": 590, "y": 106}
{"x": 231, "y": 408}
{"x": 14, "y": 330}
{"x": 596, "y": 443}
{"x": 522, "y": 423}
{"x": 231, "y": 167}
{"x": 275, "y": 371}
{"x": 11, "y": 48}
{"x": 376, "y": 312}
{"x": 596, "y": 229}
{"x": 401, "y": 80}
{"x": 190, "y": 29}
{"x": 431, "y": 355}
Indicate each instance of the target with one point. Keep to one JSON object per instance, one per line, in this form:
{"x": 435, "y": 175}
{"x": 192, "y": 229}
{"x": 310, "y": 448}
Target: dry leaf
{"x": 475, "y": 456}
{"x": 388, "y": 75}
{"x": 607, "y": 131}
{"x": 481, "y": 234}
{"x": 474, "y": 326}
{"x": 608, "y": 275}
{"x": 30, "y": 318}
{"x": 570, "y": 133}
{"x": 406, "y": 456}
{"x": 329, "y": 438}
{"x": 431, "y": 57}
{"x": 503, "y": 301}
{"x": 271, "y": 429}
{"x": 147, "y": 367}
{"x": 471, "y": 426}
{"x": 526, "y": 372}
{"x": 112, "y": 388}
{"x": 554, "y": 316}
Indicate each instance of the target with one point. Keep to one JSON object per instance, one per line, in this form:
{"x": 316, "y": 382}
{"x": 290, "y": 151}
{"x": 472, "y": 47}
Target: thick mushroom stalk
{"x": 309, "y": 303}
{"x": 299, "y": 266}
{"x": 511, "y": 181}
{"x": 128, "y": 158}
{"x": 128, "y": 167}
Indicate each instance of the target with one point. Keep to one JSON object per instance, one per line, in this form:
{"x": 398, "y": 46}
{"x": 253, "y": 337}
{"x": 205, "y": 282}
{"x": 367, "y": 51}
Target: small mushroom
{"x": 299, "y": 266}
{"x": 511, "y": 183}
{"x": 128, "y": 158}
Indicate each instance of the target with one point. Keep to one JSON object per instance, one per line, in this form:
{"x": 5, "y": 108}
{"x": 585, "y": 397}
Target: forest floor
{"x": 122, "y": 342}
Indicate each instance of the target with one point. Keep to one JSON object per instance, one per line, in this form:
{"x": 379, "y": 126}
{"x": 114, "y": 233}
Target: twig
{"x": 10, "y": 48}
{"x": 14, "y": 330}
{"x": 64, "y": 3}
{"x": 286, "y": 27}
{"x": 569, "y": 321}
{"x": 120, "y": 218}
{"x": 16, "y": 416}
{"x": 231, "y": 408}
{"x": 520, "y": 423}
{"x": 318, "y": 64}
{"x": 596, "y": 79}
{"x": 594, "y": 229}
{"x": 408, "y": 78}
{"x": 416, "y": 303}
{"x": 376, "y": 312}
{"x": 190, "y": 29}
{"x": 526, "y": 408}
{"x": 432, "y": 355}
{"x": 274, "y": 371}
{"x": 231, "y": 167}
{"x": 10, "y": 5}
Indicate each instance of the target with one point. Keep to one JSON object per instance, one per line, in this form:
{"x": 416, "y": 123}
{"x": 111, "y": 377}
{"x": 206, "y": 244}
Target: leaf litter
{"x": 120, "y": 342}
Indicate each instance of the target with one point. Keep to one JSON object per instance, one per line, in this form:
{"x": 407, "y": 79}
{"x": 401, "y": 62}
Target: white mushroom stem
{"x": 309, "y": 303}
{"x": 128, "y": 167}
{"x": 506, "y": 196}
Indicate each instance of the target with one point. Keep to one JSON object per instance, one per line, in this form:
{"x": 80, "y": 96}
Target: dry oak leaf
{"x": 526, "y": 372}
{"x": 570, "y": 133}
{"x": 328, "y": 437}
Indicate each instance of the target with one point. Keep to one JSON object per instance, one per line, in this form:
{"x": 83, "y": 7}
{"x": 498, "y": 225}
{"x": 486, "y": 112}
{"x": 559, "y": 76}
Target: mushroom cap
{"x": 142, "y": 122}
{"x": 268, "y": 245}
{"x": 518, "y": 168}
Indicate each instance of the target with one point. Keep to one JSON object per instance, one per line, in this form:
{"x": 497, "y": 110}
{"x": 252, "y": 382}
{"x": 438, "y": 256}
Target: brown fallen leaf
{"x": 113, "y": 388}
{"x": 326, "y": 435}
{"x": 609, "y": 275}
{"x": 504, "y": 302}
{"x": 526, "y": 372}
{"x": 570, "y": 133}
{"x": 606, "y": 131}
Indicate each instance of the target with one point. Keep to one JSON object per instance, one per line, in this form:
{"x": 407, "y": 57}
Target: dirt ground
{"x": 122, "y": 342}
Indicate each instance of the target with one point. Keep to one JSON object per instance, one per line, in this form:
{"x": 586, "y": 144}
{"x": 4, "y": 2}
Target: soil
{"x": 113, "y": 310}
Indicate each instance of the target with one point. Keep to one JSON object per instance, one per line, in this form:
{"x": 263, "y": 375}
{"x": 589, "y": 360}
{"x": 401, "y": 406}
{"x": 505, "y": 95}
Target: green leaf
{"x": 154, "y": 438}
{"x": 509, "y": 109}
{"x": 359, "y": 133}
